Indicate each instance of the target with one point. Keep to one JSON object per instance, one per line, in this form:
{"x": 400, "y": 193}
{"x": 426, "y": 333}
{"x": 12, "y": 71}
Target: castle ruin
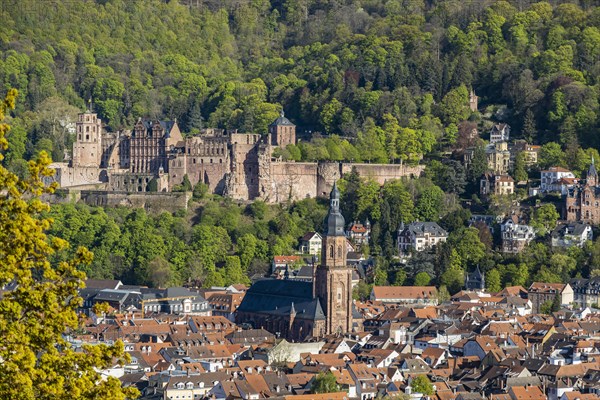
{"x": 155, "y": 156}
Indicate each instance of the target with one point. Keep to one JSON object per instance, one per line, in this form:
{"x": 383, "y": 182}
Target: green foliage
{"x": 493, "y": 281}
{"x": 35, "y": 318}
{"x": 430, "y": 204}
{"x": 551, "y": 155}
{"x": 545, "y": 218}
{"x": 325, "y": 382}
{"x": 422, "y": 279}
{"x": 422, "y": 384}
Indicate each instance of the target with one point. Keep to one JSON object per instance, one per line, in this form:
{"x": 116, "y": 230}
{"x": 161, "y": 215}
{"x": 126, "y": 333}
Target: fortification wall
{"x": 288, "y": 181}
{"x": 68, "y": 176}
{"x": 154, "y": 202}
{"x": 381, "y": 173}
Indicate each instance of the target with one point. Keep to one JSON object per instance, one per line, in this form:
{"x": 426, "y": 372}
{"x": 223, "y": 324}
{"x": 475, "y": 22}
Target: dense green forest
{"x": 220, "y": 242}
{"x": 390, "y": 79}
{"x": 364, "y": 80}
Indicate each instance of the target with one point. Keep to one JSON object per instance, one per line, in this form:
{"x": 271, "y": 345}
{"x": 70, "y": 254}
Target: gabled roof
{"x": 542, "y": 287}
{"x": 276, "y": 296}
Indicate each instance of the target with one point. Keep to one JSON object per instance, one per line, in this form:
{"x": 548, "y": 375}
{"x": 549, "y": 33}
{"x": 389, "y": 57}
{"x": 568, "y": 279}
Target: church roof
{"x": 276, "y": 296}
{"x": 335, "y": 220}
{"x": 592, "y": 170}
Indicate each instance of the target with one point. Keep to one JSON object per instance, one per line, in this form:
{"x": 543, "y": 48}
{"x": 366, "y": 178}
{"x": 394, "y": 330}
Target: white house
{"x": 556, "y": 179}
{"x": 311, "y": 243}
{"x": 571, "y": 234}
{"x": 419, "y": 236}
{"x": 500, "y": 133}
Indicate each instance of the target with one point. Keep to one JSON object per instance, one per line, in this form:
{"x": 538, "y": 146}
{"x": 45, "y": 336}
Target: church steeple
{"x": 333, "y": 280}
{"x": 335, "y": 219}
{"x": 592, "y": 175}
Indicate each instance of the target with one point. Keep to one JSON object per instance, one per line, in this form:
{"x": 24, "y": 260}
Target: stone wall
{"x": 76, "y": 176}
{"x": 154, "y": 202}
{"x": 288, "y": 181}
{"x": 382, "y": 173}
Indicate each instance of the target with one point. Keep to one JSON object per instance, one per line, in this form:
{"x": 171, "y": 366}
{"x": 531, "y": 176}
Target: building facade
{"x": 515, "y": 236}
{"x": 500, "y": 133}
{"x": 554, "y": 178}
{"x": 540, "y": 293}
{"x": 497, "y": 185}
{"x": 571, "y": 234}
{"x": 498, "y": 158}
{"x": 582, "y": 202}
{"x": 586, "y": 292}
{"x": 419, "y": 236}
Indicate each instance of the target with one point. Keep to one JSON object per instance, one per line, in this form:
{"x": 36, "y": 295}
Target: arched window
{"x": 339, "y": 251}
{"x": 331, "y": 251}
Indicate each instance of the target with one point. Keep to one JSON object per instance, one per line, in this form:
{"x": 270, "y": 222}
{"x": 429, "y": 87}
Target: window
{"x": 331, "y": 251}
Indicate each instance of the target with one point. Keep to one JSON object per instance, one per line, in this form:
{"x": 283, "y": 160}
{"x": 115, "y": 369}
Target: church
{"x": 300, "y": 310}
{"x": 582, "y": 202}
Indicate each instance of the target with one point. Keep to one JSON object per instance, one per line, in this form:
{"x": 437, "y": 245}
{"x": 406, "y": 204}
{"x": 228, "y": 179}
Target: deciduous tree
{"x": 37, "y": 361}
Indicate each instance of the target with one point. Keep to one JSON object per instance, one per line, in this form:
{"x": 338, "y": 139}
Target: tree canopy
{"x": 37, "y": 360}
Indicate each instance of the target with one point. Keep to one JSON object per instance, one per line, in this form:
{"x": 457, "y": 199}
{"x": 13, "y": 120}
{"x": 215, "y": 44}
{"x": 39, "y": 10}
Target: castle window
{"x": 194, "y": 161}
{"x": 211, "y": 160}
{"x": 331, "y": 251}
{"x": 220, "y": 161}
{"x": 87, "y": 137}
{"x": 87, "y": 128}
{"x": 80, "y": 136}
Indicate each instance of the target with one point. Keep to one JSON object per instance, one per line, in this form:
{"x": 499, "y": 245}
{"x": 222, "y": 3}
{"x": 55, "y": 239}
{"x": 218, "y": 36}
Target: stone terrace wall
{"x": 155, "y": 202}
{"x": 288, "y": 181}
{"x": 382, "y": 173}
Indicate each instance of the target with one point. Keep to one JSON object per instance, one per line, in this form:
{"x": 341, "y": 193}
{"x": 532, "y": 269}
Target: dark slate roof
{"x": 282, "y": 120}
{"x": 155, "y": 294}
{"x": 276, "y": 296}
{"x": 420, "y": 228}
{"x": 102, "y": 284}
{"x": 165, "y": 125}
{"x": 573, "y": 228}
{"x": 112, "y": 295}
{"x": 335, "y": 220}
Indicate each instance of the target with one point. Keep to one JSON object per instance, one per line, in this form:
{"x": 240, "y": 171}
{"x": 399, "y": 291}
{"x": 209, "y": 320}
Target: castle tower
{"x": 592, "y": 175}
{"x": 282, "y": 131}
{"x": 473, "y": 101}
{"x": 87, "y": 149}
{"x": 333, "y": 280}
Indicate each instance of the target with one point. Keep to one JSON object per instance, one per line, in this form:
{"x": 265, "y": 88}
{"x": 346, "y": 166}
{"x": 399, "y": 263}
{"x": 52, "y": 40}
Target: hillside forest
{"x": 364, "y": 80}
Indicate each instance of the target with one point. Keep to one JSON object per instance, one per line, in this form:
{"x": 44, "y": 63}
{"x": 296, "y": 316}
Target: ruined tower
{"x": 333, "y": 280}
{"x": 87, "y": 149}
{"x": 282, "y": 131}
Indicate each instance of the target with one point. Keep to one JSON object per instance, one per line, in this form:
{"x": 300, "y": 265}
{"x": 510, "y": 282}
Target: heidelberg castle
{"x": 155, "y": 156}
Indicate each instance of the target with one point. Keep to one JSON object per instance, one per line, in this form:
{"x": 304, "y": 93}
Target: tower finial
{"x": 282, "y": 113}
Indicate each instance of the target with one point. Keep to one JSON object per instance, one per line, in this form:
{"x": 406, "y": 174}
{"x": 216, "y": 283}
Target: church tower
{"x": 87, "y": 149}
{"x": 333, "y": 280}
{"x": 592, "y": 175}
